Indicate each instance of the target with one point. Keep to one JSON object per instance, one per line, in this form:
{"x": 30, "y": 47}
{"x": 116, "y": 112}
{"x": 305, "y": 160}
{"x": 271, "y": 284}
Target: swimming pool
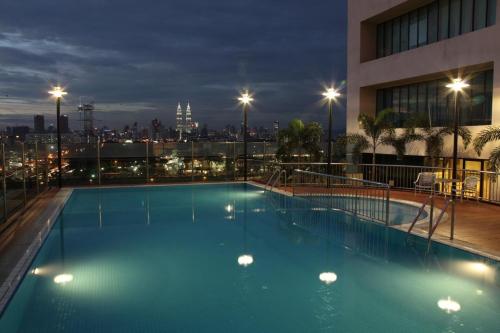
{"x": 233, "y": 258}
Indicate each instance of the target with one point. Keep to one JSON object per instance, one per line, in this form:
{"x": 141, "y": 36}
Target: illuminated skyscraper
{"x": 189, "y": 119}
{"x": 179, "y": 123}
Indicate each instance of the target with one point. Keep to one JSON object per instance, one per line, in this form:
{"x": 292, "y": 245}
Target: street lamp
{"x": 330, "y": 95}
{"x": 245, "y": 100}
{"x": 456, "y": 85}
{"x": 58, "y": 92}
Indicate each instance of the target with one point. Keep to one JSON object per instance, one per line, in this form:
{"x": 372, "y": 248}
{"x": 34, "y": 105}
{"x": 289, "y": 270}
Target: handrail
{"x": 375, "y": 196}
{"x": 277, "y": 171}
{"x": 279, "y": 178}
{"x": 420, "y": 211}
{"x": 342, "y": 178}
{"x": 440, "y": 217}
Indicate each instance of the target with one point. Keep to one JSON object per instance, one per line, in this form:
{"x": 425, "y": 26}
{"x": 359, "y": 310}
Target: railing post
{"x": 452, "y": 226}
{"x": 192, "y": 161}
{"x": 23, "y": 165}
{"x": 431, "y": 217}
{"x": 4, "y": 183}
{"x": 99, "y": 160}
{"x": 147, "y": 161}
{"x": 387, "y": 205}
{"x": 36, "y": 168}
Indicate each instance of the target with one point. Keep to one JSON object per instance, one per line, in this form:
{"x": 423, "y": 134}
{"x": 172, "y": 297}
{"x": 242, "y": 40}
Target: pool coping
{"x": 46, "y": 219}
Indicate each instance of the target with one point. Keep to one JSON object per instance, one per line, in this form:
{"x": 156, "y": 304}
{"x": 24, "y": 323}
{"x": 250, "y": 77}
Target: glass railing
{"x": 29, "y": 169}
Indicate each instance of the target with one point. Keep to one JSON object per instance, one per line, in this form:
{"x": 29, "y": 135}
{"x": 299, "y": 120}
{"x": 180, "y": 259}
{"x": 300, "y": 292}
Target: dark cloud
{"x": 150, "y": 54}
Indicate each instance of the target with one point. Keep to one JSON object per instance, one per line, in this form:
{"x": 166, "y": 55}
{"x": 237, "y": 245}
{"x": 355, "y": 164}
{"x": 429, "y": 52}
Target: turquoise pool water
{"x": 231, "y": 258}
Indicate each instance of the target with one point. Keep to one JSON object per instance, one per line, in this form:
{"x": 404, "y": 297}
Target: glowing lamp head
{"x": 245, "y": 98}
{"x": 63, "y": 278}
{"x": 328, "y": 277}
{"x": 331, "y": 94}
{"x": 245, "y": 260}
{"x": 57, "y": 92}
{"x": 449, "y": 305}
{"x": 457, "y": 85}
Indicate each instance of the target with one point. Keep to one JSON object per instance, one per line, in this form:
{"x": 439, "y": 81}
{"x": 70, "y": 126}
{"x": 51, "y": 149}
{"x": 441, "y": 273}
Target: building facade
{"x": 402, "y": 53}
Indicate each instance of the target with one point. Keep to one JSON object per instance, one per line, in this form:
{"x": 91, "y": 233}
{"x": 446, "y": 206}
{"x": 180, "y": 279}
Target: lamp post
{"x": 58, "y": 93}
{"x": 330, "y": 95}
{"x": 245, "y": 100}
{"x": 456, "y": 86}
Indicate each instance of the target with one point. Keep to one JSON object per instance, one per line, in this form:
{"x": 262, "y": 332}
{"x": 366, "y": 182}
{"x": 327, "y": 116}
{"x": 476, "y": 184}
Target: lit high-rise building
{"x": 179, "y": 123}
{"x": 39, "y": 122}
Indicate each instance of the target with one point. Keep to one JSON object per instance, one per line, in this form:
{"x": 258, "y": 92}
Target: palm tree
{"x": 374, "y": 128}
{"x": 487, "y": 135}
{"x": 434, "y": 136}
{"x": 399, "y": 142}
{"x": 298, "y": 138}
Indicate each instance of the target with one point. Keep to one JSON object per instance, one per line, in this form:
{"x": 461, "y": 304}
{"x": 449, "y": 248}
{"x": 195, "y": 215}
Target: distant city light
{"x": 328, "y": 277}
{"x": 457, "y": 85}
{"x": 449, "y": 305}
{"x": 245, "y": 260}
{"x": 58, "y": 92}
{"x": 63, "y": 278}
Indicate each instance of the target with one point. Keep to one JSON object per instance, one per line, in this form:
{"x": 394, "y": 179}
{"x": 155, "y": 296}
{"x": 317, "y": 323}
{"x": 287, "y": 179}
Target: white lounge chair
{"x": 425, "y": 181}
{"x": 469, "y": 186}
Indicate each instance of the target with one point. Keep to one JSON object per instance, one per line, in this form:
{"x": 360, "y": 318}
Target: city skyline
{"x": 141, "y": 68}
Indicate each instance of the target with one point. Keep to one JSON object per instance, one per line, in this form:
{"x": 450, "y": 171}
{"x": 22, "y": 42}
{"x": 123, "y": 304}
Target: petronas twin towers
{"x": 184, "y": 122}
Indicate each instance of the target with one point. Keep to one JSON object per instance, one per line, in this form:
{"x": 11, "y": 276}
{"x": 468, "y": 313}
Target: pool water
{"x": 233, "y": 258}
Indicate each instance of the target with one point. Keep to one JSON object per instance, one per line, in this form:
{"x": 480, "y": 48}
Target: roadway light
{"x": 58, "y": 92}
{"x": 456, "y": 85}
{"x": 245, "y": 100}
{"x": 330, "y": 95}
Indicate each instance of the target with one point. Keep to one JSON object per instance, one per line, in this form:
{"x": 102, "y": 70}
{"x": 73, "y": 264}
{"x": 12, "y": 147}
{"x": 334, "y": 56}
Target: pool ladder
{"x": 432, "y": 227}
{"x": 275, "y": 178}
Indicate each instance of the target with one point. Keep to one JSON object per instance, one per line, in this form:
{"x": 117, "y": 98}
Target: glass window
{"x": 387, "y": 98}
{"x": 488, "y": 93}
{"x": 422, "y": 26}
{"x": 403, "y": 104}
{"x": 464, "y": 108}
{"x": 395, "y": 99}
{"x": 395, "y": 35}
{"x": 477, "y": 96}
{"x": 413, "y": 30}
{"x": 444, "y": 9}
{"x": 412, "y": 98}
{"x": 454, "y": 18}
{"x": 380, "y": 40}
{"x": 432, "y": 23}
{"x": 492, "y": 12}
{"x": 479, "y": 14}
{"x": 442, "y": 104}
{"x": 380, "y": 100}
{"x": 388, "y": 38}
{"x": 422, "y": 98}
{"x": 432, "y": 101}
{"x": 467, "y": 11}
{"x": 404, "y": 33}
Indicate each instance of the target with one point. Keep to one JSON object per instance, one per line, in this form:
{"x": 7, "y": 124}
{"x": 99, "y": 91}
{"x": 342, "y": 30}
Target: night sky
{"x": 137, "y": 59}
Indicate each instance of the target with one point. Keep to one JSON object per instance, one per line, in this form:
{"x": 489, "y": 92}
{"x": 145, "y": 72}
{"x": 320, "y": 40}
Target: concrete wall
{"x": 469, "y": 52}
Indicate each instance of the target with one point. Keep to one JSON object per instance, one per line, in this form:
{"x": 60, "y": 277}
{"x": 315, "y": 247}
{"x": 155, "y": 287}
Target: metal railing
{"x": 363, "y": 198}
{"x": 404, "y": 176}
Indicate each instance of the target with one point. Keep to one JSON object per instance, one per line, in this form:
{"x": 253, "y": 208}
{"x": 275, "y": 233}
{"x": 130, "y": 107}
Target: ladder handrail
{"x": 420, "y": 211}
{"x": 440, "y": 217}
{"x": 279, "y": 177}
{"x": 271, "y": 178}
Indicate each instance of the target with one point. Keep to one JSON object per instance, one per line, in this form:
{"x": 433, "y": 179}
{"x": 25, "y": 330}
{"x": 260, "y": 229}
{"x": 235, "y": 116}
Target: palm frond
{"x": 495, "y": 159}
{"x": 487, "y": 135}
